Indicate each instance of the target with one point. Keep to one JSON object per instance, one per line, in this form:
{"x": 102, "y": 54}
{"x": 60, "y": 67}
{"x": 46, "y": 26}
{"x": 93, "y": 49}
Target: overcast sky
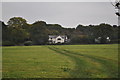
{"x": 67, "y": 14}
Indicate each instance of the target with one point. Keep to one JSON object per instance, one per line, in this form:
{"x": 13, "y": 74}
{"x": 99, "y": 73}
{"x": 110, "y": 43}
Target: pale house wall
{"x": 55, "y": 39}
{"x": 61, "y": 41}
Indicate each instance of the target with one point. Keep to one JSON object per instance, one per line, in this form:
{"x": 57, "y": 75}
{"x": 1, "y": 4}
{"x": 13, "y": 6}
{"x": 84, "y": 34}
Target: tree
{"x": 79, "y": 39}
{"x": 16, "y": 22}
{"x": 39, "y": 33}
{"x": 116, "y": 4}
{"x": 103, "y": 30}
{"x": 16, "y": 30}
{"x": 19, "y": 35}
{"x": 55, "y": 29}
{"x": 5, "y": 32}
{"x": 19, "y": 32}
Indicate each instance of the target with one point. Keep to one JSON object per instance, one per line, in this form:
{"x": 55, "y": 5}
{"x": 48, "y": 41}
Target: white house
{"x": 54, "y": 39}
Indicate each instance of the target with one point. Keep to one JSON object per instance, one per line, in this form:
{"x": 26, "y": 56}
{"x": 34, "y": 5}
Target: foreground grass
{"x": 61, "y": 61}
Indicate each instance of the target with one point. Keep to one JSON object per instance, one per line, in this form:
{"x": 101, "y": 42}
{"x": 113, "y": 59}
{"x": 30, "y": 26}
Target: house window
{"x": 59, "y": 39}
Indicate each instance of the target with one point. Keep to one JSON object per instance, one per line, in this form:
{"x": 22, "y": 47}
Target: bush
{"x": 28, "y": 43}
{"x": 115, "y": 41}
{"x": 7, "y": 43}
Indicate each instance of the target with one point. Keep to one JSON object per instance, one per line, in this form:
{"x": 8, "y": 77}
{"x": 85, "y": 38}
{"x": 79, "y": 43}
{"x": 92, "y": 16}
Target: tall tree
{"x": 39, "y": 33}
{"x": 16, "y": 22}
{"x": 17, "y": 31}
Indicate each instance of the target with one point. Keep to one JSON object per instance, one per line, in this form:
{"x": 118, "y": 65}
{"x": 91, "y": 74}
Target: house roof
{"x": 55, "y": 36}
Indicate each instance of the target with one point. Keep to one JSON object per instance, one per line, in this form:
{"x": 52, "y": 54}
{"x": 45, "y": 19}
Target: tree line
{"x": 19, "y": 32}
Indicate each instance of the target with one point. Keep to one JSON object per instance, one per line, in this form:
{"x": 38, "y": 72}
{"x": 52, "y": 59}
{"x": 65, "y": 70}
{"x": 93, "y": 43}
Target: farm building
{"x": 54, "y": 39}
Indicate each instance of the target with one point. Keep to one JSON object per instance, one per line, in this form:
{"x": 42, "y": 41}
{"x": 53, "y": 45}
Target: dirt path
{"x": 87, "y": 66}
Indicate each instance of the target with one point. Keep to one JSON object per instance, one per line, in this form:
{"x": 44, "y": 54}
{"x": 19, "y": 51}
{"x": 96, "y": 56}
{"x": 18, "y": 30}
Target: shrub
{"x": 28, "y": 43}
{"x": 7, "y": 43}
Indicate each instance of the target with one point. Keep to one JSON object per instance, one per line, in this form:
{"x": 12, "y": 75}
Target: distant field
{"x": 61, "y": 61}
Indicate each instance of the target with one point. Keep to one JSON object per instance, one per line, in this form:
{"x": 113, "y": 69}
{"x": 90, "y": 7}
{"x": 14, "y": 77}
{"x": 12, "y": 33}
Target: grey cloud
{"x": 68, "y": 14}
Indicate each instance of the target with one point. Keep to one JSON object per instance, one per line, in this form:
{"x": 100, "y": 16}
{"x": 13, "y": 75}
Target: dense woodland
{"x": 18, "y": 32}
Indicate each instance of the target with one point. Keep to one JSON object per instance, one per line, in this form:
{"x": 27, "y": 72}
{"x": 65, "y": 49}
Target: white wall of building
{"x": 59, "y": 41}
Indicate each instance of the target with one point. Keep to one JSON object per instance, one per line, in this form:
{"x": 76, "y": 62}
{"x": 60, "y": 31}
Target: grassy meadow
{"x": 60, "y": 61}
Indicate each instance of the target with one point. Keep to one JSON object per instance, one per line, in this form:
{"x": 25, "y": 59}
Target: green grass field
{"x": 61, "y": 61}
